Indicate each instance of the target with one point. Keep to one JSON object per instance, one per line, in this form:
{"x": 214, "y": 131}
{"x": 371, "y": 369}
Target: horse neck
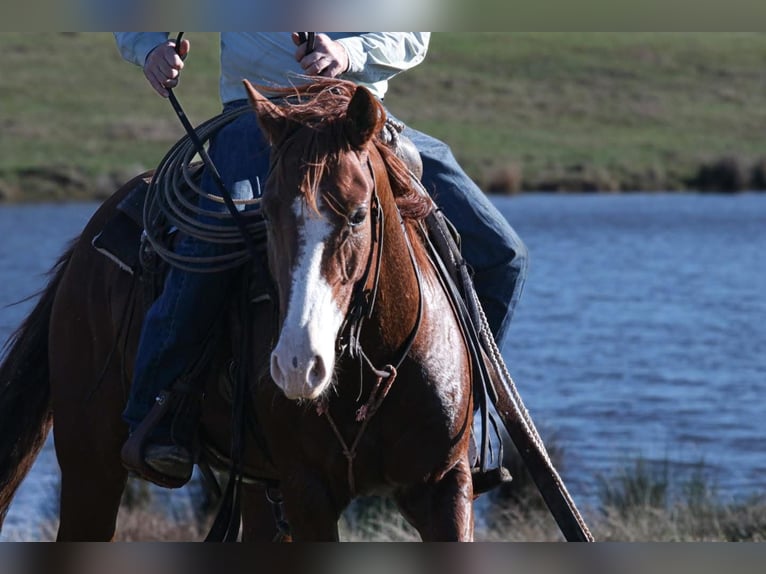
{"x": 396, "y": 311}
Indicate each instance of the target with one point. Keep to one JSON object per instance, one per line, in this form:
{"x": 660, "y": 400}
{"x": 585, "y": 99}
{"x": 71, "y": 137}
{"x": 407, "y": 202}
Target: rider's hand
{"x": 163, "y": 66}
{"x": 328, "y": 59}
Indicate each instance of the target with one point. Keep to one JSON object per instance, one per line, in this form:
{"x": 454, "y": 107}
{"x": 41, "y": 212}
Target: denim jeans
{"x": 177, "y": 324}
{"x": 489, "y": 244}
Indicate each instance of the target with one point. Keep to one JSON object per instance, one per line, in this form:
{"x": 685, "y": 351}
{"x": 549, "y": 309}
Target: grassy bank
{"x": 637, "y": 504}
{"x": 574, "y": 111}
{"x": 597, "y": 111}
{"x": 642, "y": 501}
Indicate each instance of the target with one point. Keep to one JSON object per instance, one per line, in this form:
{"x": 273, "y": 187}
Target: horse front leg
{"x": 258, "y": 519}
{"x": 310, "y": 509}
{"x": 441, "y": 511}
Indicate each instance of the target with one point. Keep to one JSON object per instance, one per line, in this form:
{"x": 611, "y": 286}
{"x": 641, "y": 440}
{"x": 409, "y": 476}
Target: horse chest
{"x": 408, "y": 440}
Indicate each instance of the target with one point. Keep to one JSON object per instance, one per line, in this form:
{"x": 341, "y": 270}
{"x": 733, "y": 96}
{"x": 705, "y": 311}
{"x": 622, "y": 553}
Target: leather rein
{"x": 362, "y": 306}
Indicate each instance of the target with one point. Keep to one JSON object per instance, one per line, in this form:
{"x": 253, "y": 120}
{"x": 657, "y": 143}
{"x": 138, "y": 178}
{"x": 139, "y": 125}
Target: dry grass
{"x": 641, "y": 502}
{"x": 741, "y": 522}
{"x": 137, "y": 525}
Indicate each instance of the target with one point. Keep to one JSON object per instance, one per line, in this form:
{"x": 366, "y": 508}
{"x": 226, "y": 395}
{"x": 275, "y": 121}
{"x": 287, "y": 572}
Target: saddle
{"x": 120, "y": 239}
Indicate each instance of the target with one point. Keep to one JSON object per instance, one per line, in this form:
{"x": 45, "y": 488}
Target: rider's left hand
{"x": 328, "y": 59}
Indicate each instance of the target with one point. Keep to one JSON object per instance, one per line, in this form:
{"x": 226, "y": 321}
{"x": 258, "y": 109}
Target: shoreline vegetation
{"x": 642, "y": 502}
{"x": 523, "y": 112}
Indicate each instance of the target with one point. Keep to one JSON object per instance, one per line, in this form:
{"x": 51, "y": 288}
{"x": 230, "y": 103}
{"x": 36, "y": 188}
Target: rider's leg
{"x": 491, "y": 248}
{"x": 489, "y": 244}
{"x": 179, "y": 322}
{"x": 175, "y": 329}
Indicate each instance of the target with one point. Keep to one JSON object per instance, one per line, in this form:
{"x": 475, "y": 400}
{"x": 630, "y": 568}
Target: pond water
{"x": 640, "y": 333}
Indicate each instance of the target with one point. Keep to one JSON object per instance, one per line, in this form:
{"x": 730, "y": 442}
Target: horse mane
{"x": 321, "y": 106}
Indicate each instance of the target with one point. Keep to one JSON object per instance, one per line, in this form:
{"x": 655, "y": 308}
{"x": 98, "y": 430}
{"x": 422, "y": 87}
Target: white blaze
{"x": 304, "y": 358}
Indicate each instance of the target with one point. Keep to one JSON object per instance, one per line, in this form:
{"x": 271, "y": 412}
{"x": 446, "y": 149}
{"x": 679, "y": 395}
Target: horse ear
{"x": 363, "y": 118}
{"x": 270, "y": 116}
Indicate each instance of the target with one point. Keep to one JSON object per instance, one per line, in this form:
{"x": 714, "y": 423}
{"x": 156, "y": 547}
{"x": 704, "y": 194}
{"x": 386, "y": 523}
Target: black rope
{"x": 309, "y": 38}
{"x": 227, "y": 199}
{"x": 226, "y": 526}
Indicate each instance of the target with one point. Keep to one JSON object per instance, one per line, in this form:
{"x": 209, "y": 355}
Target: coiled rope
{"x": 172, "y": 203}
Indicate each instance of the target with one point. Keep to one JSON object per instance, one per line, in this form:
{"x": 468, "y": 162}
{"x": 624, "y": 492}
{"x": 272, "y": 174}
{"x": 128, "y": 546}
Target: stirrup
{"x": 134, "y": 450}
{"x": 492, "y": 478}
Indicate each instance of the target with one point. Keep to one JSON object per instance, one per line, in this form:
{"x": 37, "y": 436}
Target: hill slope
{"x": 521, "y": 110}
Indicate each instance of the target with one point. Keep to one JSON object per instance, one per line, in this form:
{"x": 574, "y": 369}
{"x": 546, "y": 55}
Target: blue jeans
{"x": 490, "y": 246}
{"x": 178, "y": 323}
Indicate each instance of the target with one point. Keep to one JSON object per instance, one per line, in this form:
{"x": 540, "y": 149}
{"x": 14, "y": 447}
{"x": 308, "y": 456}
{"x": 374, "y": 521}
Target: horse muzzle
{"x": 300, "y": 378}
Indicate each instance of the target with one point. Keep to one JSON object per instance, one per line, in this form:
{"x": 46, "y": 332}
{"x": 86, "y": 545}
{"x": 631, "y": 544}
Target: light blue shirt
{"x": 268, "y": 58}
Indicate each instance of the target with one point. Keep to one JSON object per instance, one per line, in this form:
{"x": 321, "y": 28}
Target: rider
{"x": 177, "y": 324}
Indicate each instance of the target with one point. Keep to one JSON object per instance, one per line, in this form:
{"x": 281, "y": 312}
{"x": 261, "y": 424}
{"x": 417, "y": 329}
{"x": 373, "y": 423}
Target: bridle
{"x": 365, "y": 291}
{"x": 363, "y": 299}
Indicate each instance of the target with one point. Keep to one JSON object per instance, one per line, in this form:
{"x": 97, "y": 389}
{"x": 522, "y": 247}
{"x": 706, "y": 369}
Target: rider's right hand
{"x": 163, "y": 66}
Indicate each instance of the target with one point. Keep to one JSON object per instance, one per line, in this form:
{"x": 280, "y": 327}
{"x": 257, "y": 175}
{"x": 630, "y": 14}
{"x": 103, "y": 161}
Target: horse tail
{"x": 25, "y": 409}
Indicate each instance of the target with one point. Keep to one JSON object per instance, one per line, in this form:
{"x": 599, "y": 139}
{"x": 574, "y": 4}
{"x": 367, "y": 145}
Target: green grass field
{"x": 521, "y": 110}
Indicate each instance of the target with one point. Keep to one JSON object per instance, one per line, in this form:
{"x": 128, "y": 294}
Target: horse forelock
{"x": 319, "y": 110}
{"x": 315, "y": 132}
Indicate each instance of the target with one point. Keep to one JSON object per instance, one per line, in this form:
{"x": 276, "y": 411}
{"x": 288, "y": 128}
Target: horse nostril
{"x": 317, "y": 372}
{"x": 276, "y": 371}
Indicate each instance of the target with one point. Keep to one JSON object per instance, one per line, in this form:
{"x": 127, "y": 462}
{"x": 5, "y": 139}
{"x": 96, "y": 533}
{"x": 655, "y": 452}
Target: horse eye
{"x": 358, "y": 216}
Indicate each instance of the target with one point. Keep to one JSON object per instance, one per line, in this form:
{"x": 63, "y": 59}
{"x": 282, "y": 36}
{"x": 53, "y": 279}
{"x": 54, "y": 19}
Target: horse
{"x": 367, "y": 388}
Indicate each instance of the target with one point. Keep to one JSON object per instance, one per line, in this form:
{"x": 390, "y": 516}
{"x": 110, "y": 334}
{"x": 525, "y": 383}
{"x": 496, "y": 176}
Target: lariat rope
{"x": 170, "y": 203}
{"x": 227, "y": 523}
{"x": 522, "y": 413}
{"x": 511, "y": 408}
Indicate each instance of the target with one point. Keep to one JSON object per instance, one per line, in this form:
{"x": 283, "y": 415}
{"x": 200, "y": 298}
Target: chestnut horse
{"x": 370, "y": 388}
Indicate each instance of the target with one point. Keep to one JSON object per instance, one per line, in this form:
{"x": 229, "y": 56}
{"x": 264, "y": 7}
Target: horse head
{"x": 317, "y": 200}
